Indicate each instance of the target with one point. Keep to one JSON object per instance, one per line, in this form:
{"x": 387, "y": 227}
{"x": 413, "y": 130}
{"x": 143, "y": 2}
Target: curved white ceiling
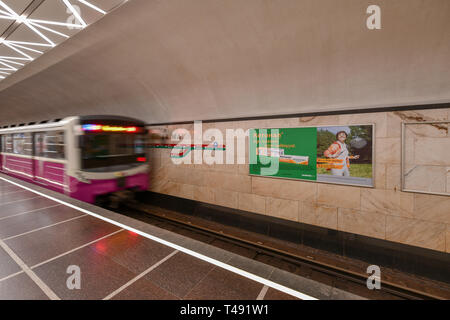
{"x": 182, "y": 60}
{"x": 29, "y": 28}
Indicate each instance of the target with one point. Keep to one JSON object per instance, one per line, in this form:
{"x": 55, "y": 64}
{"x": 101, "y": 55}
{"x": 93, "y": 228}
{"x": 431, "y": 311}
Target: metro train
{"x": 91, "y": 158}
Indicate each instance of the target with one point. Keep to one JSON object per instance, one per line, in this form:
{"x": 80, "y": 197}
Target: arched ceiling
{"x": 180, "y": 60}
{"x": 29, "y": 28}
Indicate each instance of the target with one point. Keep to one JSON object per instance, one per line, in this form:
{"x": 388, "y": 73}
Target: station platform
{"x": 45, "y": 236}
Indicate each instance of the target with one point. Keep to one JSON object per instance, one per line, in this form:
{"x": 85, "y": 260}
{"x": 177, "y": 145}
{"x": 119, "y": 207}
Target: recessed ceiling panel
{"x": 18, "y": 5}
{"x": 29, "y": 28}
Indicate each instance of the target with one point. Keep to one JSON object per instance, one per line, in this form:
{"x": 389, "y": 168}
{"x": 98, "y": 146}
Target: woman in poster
{"x": 338, "y": 150}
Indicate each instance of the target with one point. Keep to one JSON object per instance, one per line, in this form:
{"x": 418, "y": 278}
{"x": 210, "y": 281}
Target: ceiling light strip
{"x": 49, "y": 29}
{"x": 39, "y": 27}
{"x": 30, "y": 43}
{"x": 17, "y": 50}
{"x": 11, "y": 11}
{"x": 40, "y": 34}
{"x": 56, "y": 23}
{"x": 92, "y": 6}
{"x": 12, "y": 62}
{"x": 26, "y": 48}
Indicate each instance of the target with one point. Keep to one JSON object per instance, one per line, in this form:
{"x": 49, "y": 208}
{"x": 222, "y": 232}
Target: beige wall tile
{"x": 434, "y": 114}
{"x": 154, "y": 161}
{"x": 377, "y": 118}
{"x": 196, "y": 177}
{"x": 231, "y": 182}
{"x": 280, "y": 208}
{"x": 387, "y": 150}
{"x": 226, "y": 198}
{"x": 158, "y": 178}
{"x": 406, "y": 205}
{"x": 252, "y": 203}
{"x": 243, "y": 169}
{"x": 431, "y": 130}
{"x": 170, "y": 188}
{"x": 284, "y": 188}
{"x": 447, "y": 242}
{"x": 432, "y": 151}
{"x": 318, "y": 215}
{"x": 432, "y": 208}
{"x": 380, "y": 175}
{"x": 282, "y": 123}
{"x": 226, "y": 168}
{"x": 393, "y": 125}
{"x": 387, "y": 202}
{"x": 394, "y": 119}
{"x": 393, "y": 177}
{"x": 339, "y": 196}
{"x": 204, "y": 194}
{"x": 319, "y": 121}
{"x": 448, "y": 180}
{"x": 365, "y": 223}
{"x": 186, "y": 191}
{"x": 410, "y": 142}
{"x": 177, "y": 174}
{"x": 414, "y": 232}
{"x": 381, "y": 201}
{"x": 426, "y": 178}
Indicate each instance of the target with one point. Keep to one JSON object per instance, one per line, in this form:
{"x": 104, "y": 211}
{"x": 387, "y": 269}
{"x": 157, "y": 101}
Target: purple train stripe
{"x": 52, "y": 175}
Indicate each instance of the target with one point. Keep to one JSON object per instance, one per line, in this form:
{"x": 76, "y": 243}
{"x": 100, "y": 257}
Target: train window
{"x": 52, "y": 144}
{"x": 102, "y": 151}
{"x": 28, "y": 144}
{"x": 8, "y": 143}
{"x": 39, "y": 144}
{"x": 22, "y": 144}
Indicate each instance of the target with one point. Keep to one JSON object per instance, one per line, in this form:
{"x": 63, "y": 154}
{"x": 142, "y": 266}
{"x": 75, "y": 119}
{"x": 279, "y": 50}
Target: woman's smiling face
{"x": 342, "y": 137}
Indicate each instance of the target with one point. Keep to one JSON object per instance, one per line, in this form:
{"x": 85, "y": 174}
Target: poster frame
{"x": 403, "y": 155}
{"x": 373, "y": 186}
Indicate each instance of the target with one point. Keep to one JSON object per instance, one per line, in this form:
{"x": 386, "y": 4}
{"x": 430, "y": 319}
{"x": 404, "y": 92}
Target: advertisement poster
{"x": 333, "y": 154}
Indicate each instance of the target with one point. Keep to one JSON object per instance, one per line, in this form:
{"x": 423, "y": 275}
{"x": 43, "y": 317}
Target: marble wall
{"x": 382, "y": 212}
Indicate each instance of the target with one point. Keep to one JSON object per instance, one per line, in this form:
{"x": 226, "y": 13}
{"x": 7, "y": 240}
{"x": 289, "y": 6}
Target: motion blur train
{"x": 90, "y": 158}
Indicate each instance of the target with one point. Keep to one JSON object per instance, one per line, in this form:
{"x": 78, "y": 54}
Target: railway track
{"x": 219, "y": 236}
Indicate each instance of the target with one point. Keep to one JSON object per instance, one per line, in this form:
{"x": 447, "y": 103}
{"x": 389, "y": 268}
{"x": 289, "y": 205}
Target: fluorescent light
{"x": 40, "y": 27}
{"x": 92, "y": 6}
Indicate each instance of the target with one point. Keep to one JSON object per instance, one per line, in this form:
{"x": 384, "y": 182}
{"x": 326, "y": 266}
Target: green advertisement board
{"x": 333, "y": 154}
{"x": 293, "y": 148}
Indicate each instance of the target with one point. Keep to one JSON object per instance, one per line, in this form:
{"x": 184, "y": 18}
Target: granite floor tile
{"x": 7, "y": 265}
{"x": 131, "y": 250}
{"x": 179, "y": 274}
{"x": 20, "y": 287}
{"x": 24, "y": 206}
{"x": 144, "y": 290}
{"x": 37, "y": 219}
{"x": 99, "y": 275}
{"x": 221, "y": 284}
{"x": 273, "y": 294}
{"x": 44, "y": 244}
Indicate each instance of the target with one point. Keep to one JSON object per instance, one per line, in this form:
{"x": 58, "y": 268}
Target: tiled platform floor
{"x": 41, "y": 239}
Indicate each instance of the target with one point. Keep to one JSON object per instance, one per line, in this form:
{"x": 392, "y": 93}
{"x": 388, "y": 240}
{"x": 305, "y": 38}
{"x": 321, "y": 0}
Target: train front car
{"x": 110, "y": 161}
